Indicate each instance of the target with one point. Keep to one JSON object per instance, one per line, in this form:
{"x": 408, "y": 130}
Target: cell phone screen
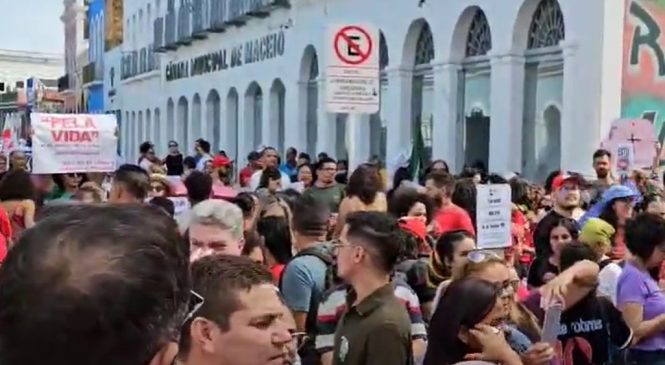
{"x": 552, "y": 323}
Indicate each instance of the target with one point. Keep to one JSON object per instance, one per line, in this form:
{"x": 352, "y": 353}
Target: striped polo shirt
{"x": 334, "y": 306}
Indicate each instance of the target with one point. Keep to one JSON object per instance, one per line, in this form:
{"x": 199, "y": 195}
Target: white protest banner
{"x": 493, "y": 216}
{"x": 65, "y": 143}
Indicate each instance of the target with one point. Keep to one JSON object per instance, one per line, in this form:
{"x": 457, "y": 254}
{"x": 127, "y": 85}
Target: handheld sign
{"x": 66, "y": 143}
{"x": 493, "y": 216}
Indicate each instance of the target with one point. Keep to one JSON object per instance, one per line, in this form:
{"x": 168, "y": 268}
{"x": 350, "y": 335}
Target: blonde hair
{"x": 519, "y": 314}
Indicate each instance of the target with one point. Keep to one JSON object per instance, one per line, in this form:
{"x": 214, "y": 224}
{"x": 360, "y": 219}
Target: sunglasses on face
{"x": 479, "y": 256}
{"x": 157, "y": 188}
{"x": 74, "y": 175}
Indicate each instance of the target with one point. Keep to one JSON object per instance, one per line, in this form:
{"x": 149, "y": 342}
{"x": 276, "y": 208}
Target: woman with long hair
{"x": 544, "y": 268}
{"x": 363, "y": 193}
{"x": 449, "y": 254}
{"x": 468, "y": 305}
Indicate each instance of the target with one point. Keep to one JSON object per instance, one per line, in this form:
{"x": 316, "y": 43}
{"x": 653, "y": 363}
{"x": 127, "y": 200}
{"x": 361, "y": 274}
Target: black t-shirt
{"x": 174, "y": 164}
{"x": 589, "y": 331}
{"x": 539, "y": 270}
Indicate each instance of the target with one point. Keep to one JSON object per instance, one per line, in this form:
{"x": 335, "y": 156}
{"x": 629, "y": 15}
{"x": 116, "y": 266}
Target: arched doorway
{"x": 309, "y": 78}
{"x": 148, "y": 127}
{"x": 158, "y": 131}
{"x": 183, "y": 124}
{"x": 197, "y": 126}
{"x": 213, "y": 118}
{"x": 543, "y": 88}
{"x": 141, "y": 129}
{"x": 277, "y": 115}
{"x": 170, "y": 122}
{"x": 133, "y": 144}
{"x": 253, "y": 116}
{"x": 126, "y": 138}
{"x": 476, "y": 83}
{"x": 422, "y": 118}
{"x": 232, "y": 124}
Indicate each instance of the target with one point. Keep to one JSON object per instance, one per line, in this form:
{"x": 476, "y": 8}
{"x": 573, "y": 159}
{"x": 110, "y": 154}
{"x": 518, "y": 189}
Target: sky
{"x": 32, "y": 25}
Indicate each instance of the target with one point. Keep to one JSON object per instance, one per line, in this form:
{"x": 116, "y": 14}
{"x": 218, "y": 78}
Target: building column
{"x": 245, "y": 118}
{"x": 295, "y": 115}
{"x": 579, "y": 138}
{"x": 268, "y": 122}
{"x": 507, "y": 113}
{"x": 396, "y": 111}
{"x": 325, "y": 123}
{"x": 273, "y": 120}
{"x": 358, "y": 132}
{"x": 446, "y": 136}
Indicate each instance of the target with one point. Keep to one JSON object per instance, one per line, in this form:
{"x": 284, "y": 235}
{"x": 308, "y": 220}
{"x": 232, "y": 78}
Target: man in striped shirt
{"x": 334, "y": 305}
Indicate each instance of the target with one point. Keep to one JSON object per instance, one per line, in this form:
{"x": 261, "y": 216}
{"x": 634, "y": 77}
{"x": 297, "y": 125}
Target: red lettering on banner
{"x": 74, "y": 136}
{"x": 70, "y": 123}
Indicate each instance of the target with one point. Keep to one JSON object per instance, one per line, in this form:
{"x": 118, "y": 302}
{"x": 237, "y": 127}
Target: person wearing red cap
{"x": 221, "y": 173}
{"x": 566, "y": 198}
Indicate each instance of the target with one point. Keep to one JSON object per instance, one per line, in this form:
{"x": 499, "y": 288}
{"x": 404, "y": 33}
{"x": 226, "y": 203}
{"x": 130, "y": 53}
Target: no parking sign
{"x": 352, "y": 72}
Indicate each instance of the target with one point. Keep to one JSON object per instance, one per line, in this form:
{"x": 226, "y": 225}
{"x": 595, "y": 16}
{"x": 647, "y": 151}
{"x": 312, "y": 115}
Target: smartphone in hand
{"x": 552, "y": 323}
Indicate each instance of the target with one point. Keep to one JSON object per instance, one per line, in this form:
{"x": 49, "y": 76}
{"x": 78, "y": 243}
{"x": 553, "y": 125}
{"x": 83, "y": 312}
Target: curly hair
{"x": 404, "y": 199}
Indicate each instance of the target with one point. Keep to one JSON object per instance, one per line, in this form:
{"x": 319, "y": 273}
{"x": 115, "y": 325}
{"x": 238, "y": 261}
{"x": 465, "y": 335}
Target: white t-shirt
{"x": 607, "y": 281}
{"x": 256, "y": 179}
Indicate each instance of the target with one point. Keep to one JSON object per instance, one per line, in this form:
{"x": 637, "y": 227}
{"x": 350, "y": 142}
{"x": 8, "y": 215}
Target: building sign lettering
{"x": 254, "y": 51}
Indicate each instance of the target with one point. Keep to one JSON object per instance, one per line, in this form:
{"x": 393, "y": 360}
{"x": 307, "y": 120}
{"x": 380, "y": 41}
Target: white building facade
{"x": 76, "y": 52}
{"x": 17, "y": 66}
{"x": 517, "y": 85}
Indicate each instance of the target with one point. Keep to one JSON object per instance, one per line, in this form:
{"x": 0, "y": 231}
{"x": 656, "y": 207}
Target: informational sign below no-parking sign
{"x": 352, "y": 72}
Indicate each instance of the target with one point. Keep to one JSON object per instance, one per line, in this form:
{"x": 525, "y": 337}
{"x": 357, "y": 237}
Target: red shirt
{"x": 277, "y": 271}
{"x": 453, "y": 218}
{"x": 246, "y": 175}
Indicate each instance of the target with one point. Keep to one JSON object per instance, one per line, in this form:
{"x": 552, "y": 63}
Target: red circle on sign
{"x": 342, "y": 36}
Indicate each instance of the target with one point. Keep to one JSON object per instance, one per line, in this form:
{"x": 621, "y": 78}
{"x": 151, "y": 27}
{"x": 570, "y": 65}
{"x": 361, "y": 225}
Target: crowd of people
{"x": 295, "y": 261}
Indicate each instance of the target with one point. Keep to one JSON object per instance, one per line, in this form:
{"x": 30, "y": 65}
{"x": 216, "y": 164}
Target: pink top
{"x": 219, "y": 191}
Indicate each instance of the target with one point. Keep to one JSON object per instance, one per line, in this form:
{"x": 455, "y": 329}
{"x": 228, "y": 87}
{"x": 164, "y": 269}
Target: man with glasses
{"x": 95, "y": 285}
{"x": 375, "y": 329}
{"x": 325, "y": 189}
{"x": 242, "y": 320}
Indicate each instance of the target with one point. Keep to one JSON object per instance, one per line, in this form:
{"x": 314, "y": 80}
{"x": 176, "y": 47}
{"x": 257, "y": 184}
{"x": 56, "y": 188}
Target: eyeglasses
{"x": 480, "y": 256}
{"x": 299, "y": 339}
{"x": 74, "y": 175}
{"x": 508, "y": 287}
{"x": 196, "y": 301}
{"x": 337, "y": 245}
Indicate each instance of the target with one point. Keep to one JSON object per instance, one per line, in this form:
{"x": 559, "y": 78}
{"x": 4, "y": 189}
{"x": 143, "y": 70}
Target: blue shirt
{"x": 303, "y": 278}
{"x": 291, "y": 171}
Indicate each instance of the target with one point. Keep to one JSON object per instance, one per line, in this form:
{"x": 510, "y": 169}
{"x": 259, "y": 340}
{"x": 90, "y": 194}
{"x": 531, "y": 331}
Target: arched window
{"x": 424, "y": 46}
{"x": 479, "y": 40}
{"x": 547, "y": 26}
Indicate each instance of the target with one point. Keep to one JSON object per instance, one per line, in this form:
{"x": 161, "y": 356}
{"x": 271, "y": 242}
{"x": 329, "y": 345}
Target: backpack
{"x": 324, "y": 252}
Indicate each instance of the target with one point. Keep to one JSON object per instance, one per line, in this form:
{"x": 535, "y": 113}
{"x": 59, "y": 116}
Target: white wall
{"x": 590, "y": 91}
